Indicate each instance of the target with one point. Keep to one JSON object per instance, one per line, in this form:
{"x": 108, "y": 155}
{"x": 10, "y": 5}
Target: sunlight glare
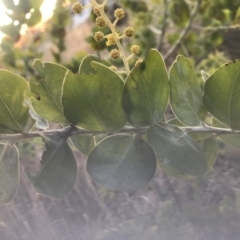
{"x": 46, "y": 9}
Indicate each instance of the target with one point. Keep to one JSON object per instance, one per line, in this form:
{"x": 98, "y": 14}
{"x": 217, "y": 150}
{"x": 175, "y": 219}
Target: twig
{"x": 72, "y": 130}
{"x": 217, "y": 28}
{"x": 164, "y": 25}
{"x": 184, "y": 32}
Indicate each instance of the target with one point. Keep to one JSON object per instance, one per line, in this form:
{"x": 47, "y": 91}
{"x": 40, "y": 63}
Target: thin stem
{"x": 72, "y": 130}
{"x": 112, "y": 27}
{"x": 164, "y": 25}
{"x": 184, "y": 32}
{"x": 217, "y": 28}
{"x": 130, "y": 56}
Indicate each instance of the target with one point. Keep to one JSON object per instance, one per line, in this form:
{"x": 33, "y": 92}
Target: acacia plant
{"x": 117, "y": 117}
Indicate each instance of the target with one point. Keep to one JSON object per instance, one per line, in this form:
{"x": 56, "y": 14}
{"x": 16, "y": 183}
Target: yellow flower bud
{"x": 129, "y": 31}
{"x": 119, "y": 13}
{"x": 99, "y": 36}
{"x": 77, "y": 7}
{"x": 138, "y": 62}
{"x": 100, "y": 21}
{"x": 113, "y": 68}
{"x": 135, "y": 49}
{"x": 115, "y": 54}
{"x": 111, "y": 40}
{"x": 96, "y": 12}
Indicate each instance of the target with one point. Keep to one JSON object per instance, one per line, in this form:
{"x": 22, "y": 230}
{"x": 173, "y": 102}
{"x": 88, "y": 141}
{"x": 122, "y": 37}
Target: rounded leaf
{"x": 122, "y": 162}
{"x": 146, "y": 91}
{"x": 14, "y": 117}
{"x": 174, "y": 148}
{"x": 186, "y": 93}
{"x": 210, "y": 148}
{"x": 232, "y": 139}
{"x": 93, "y": 100}
{"x": 47, "y": 93}
{"x": 84, "y": 143}
{"x": 58, "y": 171}
{"x": 9, "y": 172}
{"x": 222, "y": 94}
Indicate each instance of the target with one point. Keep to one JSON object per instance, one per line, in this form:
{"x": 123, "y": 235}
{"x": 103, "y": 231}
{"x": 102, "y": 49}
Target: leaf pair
{"x": 124, "y": 162}
{"x": 90, "y": 99}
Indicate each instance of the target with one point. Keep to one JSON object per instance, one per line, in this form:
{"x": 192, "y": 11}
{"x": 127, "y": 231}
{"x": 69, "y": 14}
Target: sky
{"x": 46, "y": 9}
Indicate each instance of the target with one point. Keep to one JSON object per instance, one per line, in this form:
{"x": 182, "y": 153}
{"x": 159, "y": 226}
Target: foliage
{"x": 128, "y": 106}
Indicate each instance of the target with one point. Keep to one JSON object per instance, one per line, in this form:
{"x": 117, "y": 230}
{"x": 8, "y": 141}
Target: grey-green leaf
{"x": 84, "y": 143}
{"x": 14, "y": 117}
{"x": 232, "y": 139}
{"x": 174, "y": 148}
{"x": 222, "y": 94}
{"x": 122, "y": 162}
{"x": 93, "y": 101}
{"x": 210, "y": 149}
{"x": 86, "y": 66}
{"x": 186, "y": 93}
{"x": 146, "y": 91}
{"x": 9, "y": 172}
{"x": 47, "y": 93}
{"x": 41, "y": 123}
{"x": 58, "y": 169}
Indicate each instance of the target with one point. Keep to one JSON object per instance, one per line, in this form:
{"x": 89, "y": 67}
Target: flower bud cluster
{"x": 77, "y": 7}
{"x": 135, "y": 49}
{"x": 119, "y": 13}
{"x": 129, "y": 31}
{"x": 96, "y": 12}
{"x": 100, "y": 21}
{"x": 115, "y": 54}
{"x": 99, "y": 36}
{"x": 114, "y": 37}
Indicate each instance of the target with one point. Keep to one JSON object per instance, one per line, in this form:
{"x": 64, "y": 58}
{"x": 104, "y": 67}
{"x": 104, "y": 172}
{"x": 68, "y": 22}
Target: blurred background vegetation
{"x": 206, "y": 31}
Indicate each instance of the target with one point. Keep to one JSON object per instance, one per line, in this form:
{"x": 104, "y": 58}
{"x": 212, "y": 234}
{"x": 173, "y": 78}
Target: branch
{"x": 184, "y": 32}
{"x": 164, "y": 25}
{"x": 217, "y": 28}
{"x": 72, "y": 130}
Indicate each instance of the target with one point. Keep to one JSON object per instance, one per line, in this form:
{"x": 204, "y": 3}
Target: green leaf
{"x": 173, "y": 171}
{"x": 176, "y": 122}
{"x": 237, "y": 16}
{"x": 205, "y": 75}
{"x": 11, "y": 30}
{"x": 86, "y": 66}
{"x": 186, "y": 93}
{"x": 47, "y": 92}
{"x": 14, "y": 117}
{"x": 221, "y": 94}
{"x": 179, "y": 12}
{"x": 122, "y": 162}
{"x": 93, "y": 101}
{"x": 9, "y": 172}
{"x": 210, "y": 149}
{"x": 231, "y": 139}
{"x": 84, "y": 143}
{"x": 40, "y": 123}
{"x": 174, "y": 148}
{"x": 36, "y": 4}
{"x": 146, "y": 91}
{"x": 58, "y": 169}
{"x": 195, "y": 135}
